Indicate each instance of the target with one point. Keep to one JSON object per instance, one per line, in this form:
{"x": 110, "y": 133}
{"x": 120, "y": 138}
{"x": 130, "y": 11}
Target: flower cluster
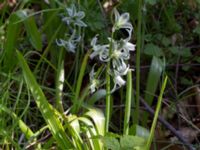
{"x": 70, "y": 43}
{"x": 117, "y": 52}
{"x": 72, "y": 18}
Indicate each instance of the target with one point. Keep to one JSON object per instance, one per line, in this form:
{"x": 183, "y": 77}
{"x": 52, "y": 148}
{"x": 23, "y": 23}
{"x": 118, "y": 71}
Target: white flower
{"x": 74, "y": 17}
{"x": 122, "y": 22}
{"x": 94, "y": 83}
{"x": 117, "y": 76}
{"x": 118, "y": 80}
{"x": 120, "y": 53}
{"x": 70, "y": 44}
{"x": 101, "y": 50}
{"x": 117, "y": 52}
{"x": 121, "y": 70}
{"x": 127, "y": 46}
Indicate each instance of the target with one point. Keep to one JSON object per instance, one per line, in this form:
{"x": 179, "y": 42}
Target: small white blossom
{"x": 127, "y": 46}
{"x": 70, "y": 44}
{"x": 120, "y": 53}
{"x": 94, "y": 83}
{"x": 118, "y": 80}
{"x": 122, "y": 22}
{"x": 74, "y": 17}
{"x": 101, "y": 50}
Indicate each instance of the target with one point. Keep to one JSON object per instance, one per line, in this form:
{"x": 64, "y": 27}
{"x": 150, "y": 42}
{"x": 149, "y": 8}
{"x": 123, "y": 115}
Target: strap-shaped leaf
{"x": 154, "y": 75}
{"x": 24, "y": 128}
{"x": 45, "y": 108}
{"x": 31, "y": 29}
{"x": 11, "y": 39}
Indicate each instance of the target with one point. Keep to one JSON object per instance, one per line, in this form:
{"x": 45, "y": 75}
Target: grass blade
{"x": 128, "y": 103}
{"x": 46, "y": 109}
{"x": 156, "y": 114}
{"x": 24, "y": 128}
{"x": 60, "y": 79}
{"x": 31, "y": 29}
{"x": 11, "y": 39}
{"x": 79, "y": 82}
{"x": 155, "y": 72}
{"x": 138, "y": 52}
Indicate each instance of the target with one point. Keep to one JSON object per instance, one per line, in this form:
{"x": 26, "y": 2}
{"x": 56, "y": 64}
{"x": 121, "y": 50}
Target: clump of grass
{"x": 66, "y": 111}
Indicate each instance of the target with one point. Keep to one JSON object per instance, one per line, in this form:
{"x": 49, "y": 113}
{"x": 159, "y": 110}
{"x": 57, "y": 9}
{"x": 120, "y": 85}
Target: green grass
{"x": 45, "y": 96}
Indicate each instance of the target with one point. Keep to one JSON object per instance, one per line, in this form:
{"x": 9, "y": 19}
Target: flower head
{"x": 116, "y": 52}
{"x": 122, "y": 22}
{"x": 74, "y": 17}
{"x": 120, "y": 52}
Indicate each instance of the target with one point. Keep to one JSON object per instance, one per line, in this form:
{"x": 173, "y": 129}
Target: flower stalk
{"x": 128, "y": 103}
{"x": 114, "y": 55}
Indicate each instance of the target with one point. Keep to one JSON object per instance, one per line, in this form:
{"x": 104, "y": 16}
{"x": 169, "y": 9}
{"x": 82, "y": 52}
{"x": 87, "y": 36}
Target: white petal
{"x": 130, "y": 46}
{"x": 95, "y": 53}
{"x": 119, "y": 81}
{"x": 71, "y": 47}
{"x": 123, "y": 18}
{"x": 94, "y": 41}
{"x": 73, "y": 10}
{"x": 80, "y": 14}
{"x": 60, "y": 42}
{"x": 127, "y": 26}
{"x": 92, "y": 88}
{"x": 80, "y": 23}
{"x": 116, "y": 13}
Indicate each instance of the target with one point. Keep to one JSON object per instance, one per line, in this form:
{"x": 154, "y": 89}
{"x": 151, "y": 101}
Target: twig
{"x": 167, "y": 125}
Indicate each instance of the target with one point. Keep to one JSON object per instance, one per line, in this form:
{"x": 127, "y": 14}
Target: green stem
{"x": 136, "y": 112}
{"x": 108, "y": 96}
{"x": 156, "y": 114}
{"x": 79, "y": 82}
{"x": 60, "y": 78}
{"x": 128, "y": 103}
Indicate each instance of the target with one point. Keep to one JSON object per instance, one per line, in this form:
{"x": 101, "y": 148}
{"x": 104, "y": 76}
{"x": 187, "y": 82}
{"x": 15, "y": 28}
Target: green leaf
{"x": 153, "y": 79}
{"x": 91, "y": 133}
{"x": 97, "y": 96}
{"x": 166, "y": 41}
{"x": 140, "y": 131}
{"x": 128, "y": 142}
{"x": 31, "y": 29}
{"x": 48, "y": 113}
{"x": 24, "y": 128}
{"x": 197, "y": 29}
{"x": 186, "y": 81}
{"x": 153, "y": 50}
{"x": 98, "y": 118}
{"x": 111, "y": 143}
{"x": 11, "y": 40}
{"x": 151, "y": 2}
{"x": 184, "y": 52}
{"x": 197, "y": 59}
